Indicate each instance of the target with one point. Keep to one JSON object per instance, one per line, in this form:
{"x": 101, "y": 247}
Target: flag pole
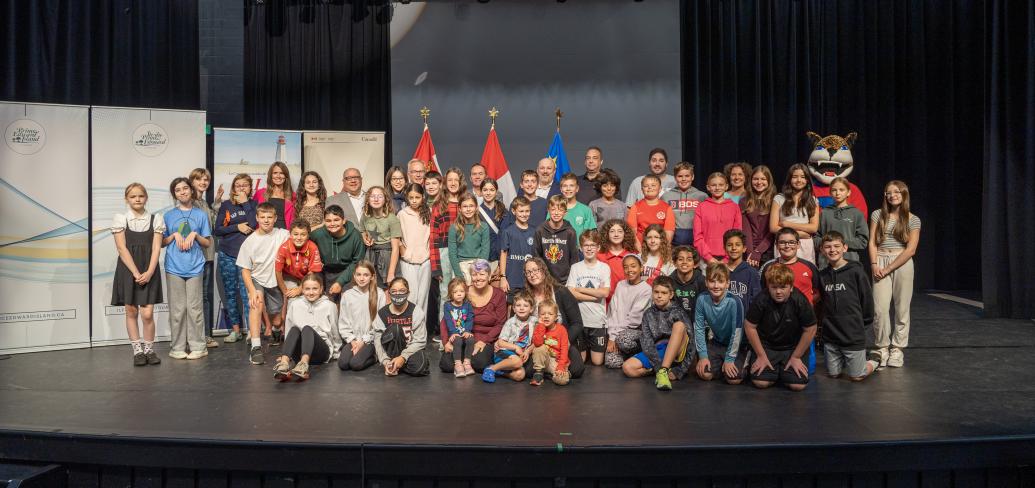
{"x": 558, "y": 114}
{"x": 425, "y": 113}
{"x": 493, "y": 113}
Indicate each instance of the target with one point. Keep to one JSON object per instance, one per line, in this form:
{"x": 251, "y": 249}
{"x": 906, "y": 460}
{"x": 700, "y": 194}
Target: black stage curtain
{"x": 101, "y": 52}
{"x": 906, "y": 75}
{"x": 1008, "y": 203}
{"x": 316, "y": 64}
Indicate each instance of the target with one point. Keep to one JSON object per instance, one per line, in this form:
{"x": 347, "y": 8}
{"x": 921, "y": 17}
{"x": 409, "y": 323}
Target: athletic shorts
{"x": 841, "y": 360}
{"x": 717, "y": 356}
{"x": 778, "y": 374}
{"x": 662, "y": 346}
{"x": 271, "y": 297}
{"x": 595, "y": 338}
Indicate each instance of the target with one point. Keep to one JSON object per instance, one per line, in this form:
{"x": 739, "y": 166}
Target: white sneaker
{"x": 233, "y": 336}
{"x": 197, "y": 354}
{"x": 896, "y": 358}
{"x": 177, "y": 354}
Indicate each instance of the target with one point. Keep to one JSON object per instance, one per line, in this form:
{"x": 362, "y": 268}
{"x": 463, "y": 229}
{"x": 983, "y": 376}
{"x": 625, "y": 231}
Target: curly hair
{"x": 628, "y": 241}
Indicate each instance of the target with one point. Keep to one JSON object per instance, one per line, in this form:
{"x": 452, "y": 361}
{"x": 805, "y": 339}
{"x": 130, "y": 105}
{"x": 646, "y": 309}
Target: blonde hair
{"x": 133, "y": 185}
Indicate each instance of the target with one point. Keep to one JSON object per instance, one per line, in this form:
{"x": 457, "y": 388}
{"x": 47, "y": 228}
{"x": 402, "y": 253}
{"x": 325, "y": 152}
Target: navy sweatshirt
{"x": 847, "y": 305}
{"x": 745, "y": 283}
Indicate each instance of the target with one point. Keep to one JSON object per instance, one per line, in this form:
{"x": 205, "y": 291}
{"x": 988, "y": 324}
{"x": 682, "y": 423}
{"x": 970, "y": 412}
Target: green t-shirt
{"x": 382, "y": 229}
{"x": 581, "y": 218}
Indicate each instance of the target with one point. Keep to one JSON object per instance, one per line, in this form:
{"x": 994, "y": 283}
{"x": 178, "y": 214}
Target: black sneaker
{"x": 139, "y": 359}
{"x": 278, "y": 337}
{"x": 256, "y": 356}
{"x": 152, "y": 358}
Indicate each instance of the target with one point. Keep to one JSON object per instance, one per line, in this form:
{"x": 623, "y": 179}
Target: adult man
{"x": 477, "y": 177}
{"x": 415, "y": 171}
{"x": 658, "y": 165}
{"x": 547, "y": 186}
{"x": 587, "y": 188}
{"x": 351, "y": 197}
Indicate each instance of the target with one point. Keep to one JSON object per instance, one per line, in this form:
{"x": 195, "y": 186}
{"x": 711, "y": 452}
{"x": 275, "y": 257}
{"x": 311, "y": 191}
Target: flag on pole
{"x": 556, "y": 153}
{"x": 497, "y": 169}
{"x": 426, "y": 151}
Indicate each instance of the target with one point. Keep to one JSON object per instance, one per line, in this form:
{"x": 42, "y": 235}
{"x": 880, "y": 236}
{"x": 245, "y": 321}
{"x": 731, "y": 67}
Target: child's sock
{"x": 137, "y": 347}
{"x": 149, "y": 347}
{"x": 256, "y": 342}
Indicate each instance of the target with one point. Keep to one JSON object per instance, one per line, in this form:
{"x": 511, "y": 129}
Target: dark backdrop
{"x": 908, "y": 76}
{"x": 100, "y": 52}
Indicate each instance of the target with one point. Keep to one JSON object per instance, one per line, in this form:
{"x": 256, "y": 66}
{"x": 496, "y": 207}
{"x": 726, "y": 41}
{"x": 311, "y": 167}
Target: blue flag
{"x": 556, "y": 153}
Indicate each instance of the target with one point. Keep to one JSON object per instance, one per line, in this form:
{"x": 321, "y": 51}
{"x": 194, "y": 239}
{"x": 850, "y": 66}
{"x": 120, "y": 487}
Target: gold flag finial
{"x": 425, "y": 113}
{"x": 558, "y": 114}
{"x": 493, "y": 113}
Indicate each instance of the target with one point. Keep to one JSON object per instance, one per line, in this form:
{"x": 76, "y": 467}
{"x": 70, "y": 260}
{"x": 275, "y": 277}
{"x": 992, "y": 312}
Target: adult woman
{"x": 490, "y": 311}
{"x": 542, "y": 286}
{"x": 278, "y": 193}
{"x": 395, "y": 182}
{"x": 310, "y": 199}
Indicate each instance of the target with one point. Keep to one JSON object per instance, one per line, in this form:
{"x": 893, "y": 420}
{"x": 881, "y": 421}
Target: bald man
{"x": 545, "y": 170}
{"x": 350, "y": 199}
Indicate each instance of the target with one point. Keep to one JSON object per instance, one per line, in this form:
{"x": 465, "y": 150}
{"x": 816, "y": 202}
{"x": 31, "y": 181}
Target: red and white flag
{"x": 496, "y": 168}
{"x": 426, "y": 151}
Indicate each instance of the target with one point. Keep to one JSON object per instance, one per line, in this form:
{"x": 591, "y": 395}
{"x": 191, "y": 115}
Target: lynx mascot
{"x": 832, "y": 157}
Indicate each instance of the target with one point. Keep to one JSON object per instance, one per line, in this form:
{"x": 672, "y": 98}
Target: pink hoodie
{"x": 289, "y": 206}
{"x": 711, "y": 221}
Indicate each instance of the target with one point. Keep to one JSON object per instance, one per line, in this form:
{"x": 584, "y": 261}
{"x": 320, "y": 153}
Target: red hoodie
{"x": 296, "y": 262}
{"x": 711, "y": 221}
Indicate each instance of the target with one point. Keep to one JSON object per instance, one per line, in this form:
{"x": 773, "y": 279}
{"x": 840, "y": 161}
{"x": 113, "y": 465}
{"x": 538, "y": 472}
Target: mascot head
{"x": 831, "y": 156}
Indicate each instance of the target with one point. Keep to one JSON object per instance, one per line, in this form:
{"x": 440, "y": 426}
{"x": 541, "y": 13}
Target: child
{"x": 235, "y": 220}
{"x": 310, "y": 335}
{"x": 843, "y": 218}
{"x": 625, "y": 313}
{"x": 529, "y": 185}
{"x": 797, "y": 209}
{"x": 780, "y": 325}
{"x": 414, "y": 247}
{"x": 257, "y": 261}
{"x": 443, "y": 215}
{"x": 590, "y": 283}
{"x": 516, "y": 247}
{"x": 187, "y": 227}
{"x": 755, "y": 208}
{"x": 200, "y": 180}
{"x": 619, "y": 243}
{"x": 663, "y": 338}
{"x": 468, "y": 239}
{"x": 297, "y": 257}
{"x": 278, "y": 193}
{"x": 713, "y": 218}
{"x": 555, "y": 241}
{"x": 736, "y": 174}
{"x": 512, "y": 346}
{"x": 847, "y": 310}
{"x": 495, "y": 216}
{"x": 400, "y": 334}
{"x": 359, "y": 306}
{"x": 341, "y": 247}
{"x": 657, "y": 254}
{"x": 137, "y": 284}
{"x": 608, "y": 206}
{"x": 688, "y": 278}
{"x": 684, "y": 200}
{"x": 578, "y": 214}
{"x": 395, "y": 183}
{"x": 550, "y": 345}
{"x": 651, "y": 210}
{"x": 894, "y": 236}
{"x": 457, "y": 328}
{"x": 722, "y": 313}
{"x": 806, "y": 276}
{"x": 310, "y": 199}
{"x": 744, "y": 279}
{"x": 381, "y": 233}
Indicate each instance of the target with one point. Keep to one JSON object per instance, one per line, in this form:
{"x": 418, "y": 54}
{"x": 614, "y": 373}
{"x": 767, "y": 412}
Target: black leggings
{"x": 462, "y": 348}
{"x": 363, "y": 359}
{"x": 304, "y": 341}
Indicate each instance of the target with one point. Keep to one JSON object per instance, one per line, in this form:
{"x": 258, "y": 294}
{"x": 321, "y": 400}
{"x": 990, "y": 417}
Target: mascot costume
{"x": 832, "y": 157}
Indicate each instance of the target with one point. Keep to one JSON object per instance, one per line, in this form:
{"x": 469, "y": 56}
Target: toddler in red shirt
{"x": 550, "y": 347}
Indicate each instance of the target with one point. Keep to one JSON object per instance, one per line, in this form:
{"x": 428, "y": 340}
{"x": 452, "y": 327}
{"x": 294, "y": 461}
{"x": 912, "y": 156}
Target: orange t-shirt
{"x": 643, "y": 214}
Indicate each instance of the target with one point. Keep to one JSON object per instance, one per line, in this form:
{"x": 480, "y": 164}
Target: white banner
{"x": 149, "y": 146}
{"x": 331, "y": 153}
{"x": 44, "y": 296}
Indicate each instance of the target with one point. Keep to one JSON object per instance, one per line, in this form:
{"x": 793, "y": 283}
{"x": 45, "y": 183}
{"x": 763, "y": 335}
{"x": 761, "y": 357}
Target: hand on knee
{"x": 706, "y": 376}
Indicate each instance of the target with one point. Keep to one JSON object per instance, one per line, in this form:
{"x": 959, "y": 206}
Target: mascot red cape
{"x": 832, "y": 157}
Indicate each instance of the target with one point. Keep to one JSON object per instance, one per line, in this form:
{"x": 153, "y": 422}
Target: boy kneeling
{"x": 848, "y": 311}
{"x": 780, "y": 325}
{"x": 664, "y": 339}
{"x": 722, "y": 313}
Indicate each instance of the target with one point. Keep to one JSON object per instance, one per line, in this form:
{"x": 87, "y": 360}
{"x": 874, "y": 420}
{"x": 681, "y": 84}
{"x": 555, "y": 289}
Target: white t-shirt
{"x": 635, "y": 193}
{"x": 582, "y": 275}
{"x": 259, "y": 254}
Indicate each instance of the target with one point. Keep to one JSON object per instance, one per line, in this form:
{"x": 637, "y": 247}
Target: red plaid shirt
{"x": 440, "y": 234}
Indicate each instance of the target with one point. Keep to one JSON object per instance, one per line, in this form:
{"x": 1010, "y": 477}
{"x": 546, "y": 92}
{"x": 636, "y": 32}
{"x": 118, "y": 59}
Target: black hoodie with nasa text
{"x": 847, "y": 305}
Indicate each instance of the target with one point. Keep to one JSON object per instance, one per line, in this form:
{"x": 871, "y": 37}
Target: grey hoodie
{"x": 321, "y": 315}
{"x": 851, "y": 223}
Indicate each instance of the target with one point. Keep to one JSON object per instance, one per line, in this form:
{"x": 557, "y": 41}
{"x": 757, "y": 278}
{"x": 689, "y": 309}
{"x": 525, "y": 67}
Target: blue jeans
{"x": 233, "y": 287}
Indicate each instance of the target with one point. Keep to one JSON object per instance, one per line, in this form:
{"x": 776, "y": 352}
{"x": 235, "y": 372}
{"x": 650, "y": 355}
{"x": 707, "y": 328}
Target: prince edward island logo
{"x": 25, "y": 136}
{"x": 150, "y": 140}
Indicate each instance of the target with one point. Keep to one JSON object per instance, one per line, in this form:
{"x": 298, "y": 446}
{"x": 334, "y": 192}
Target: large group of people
{"x": 739, "y": 282}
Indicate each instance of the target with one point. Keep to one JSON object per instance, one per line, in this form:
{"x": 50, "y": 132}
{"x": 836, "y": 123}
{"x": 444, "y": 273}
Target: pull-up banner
{"x": 148, "y": 146}
{"x": 331, "y": 153}
{"x": 44, "y": 246}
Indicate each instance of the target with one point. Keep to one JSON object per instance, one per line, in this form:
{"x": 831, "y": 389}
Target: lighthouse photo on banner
{"x": 236, "y": 151}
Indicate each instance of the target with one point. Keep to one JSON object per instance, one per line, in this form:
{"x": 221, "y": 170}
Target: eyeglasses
{"x": 397, "y": 178}
{"x": 417, "y": 171}
{"x": 787, "y": 243}
{"x": 533, "y": 271}
{"x": 351, "y": 178}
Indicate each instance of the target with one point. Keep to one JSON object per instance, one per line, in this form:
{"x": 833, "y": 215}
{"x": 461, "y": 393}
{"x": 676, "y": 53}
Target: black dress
{"x": 125, "y": 290}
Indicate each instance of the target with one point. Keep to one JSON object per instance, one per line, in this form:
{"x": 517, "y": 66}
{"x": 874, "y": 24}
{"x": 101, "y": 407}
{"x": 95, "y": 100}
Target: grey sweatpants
{"x": 186, "y": 320}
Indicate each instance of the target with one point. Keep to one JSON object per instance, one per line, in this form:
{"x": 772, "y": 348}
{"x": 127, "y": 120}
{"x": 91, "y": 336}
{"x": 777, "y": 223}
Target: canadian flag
{"x": 426, "y": 151}
{"x": 496, "y": 168}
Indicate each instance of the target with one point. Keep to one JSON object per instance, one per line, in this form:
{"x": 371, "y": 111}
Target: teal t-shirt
{"x": 581, "y": 219}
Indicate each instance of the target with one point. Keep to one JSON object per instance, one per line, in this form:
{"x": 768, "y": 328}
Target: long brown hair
{"x": 548, "y": 282}
{"x": 301, "y": 195}
{"x": 628, "y": 242}
{"x": 807, "y": 201}
{"x": 372, "y": 289}
{"x": 386, "y": 208}
{"x": 459, "y": 223}
{"x": 755, "y": 201}
{"x": 665, "y": 250}
{"x": 286, "y": 187}
{"x": 423, "y": 212}
{"x": 901, "y": 230}
{"x": 442, "y": 202}
{"x": 498, "y": 209}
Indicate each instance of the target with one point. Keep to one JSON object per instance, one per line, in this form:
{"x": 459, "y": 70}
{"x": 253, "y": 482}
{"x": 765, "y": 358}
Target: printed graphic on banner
{"x": 331, "y": 153}
{"x": 44, "y": 242}
{"x": 135, "y": 145}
